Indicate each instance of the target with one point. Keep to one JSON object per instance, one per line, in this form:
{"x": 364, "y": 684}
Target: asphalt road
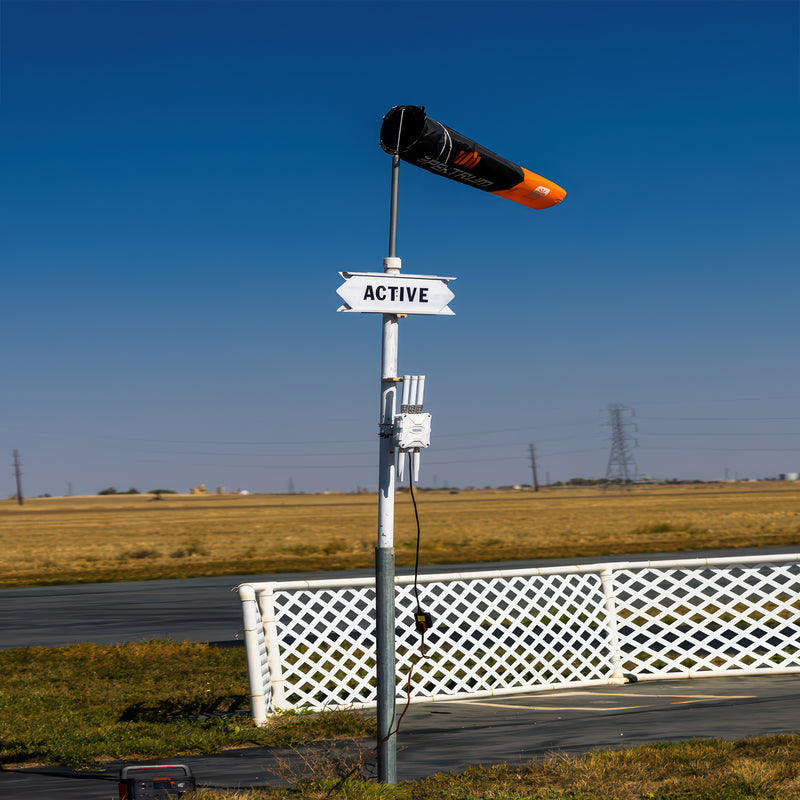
{"x": 195, "y": 609}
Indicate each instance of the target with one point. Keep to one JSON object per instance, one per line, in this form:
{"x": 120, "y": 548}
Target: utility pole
{"x": 621, "y": 463}
{"x": 18, "y": 474}
{"x": 394, "y": 296}
{"x": 533, "y": 468}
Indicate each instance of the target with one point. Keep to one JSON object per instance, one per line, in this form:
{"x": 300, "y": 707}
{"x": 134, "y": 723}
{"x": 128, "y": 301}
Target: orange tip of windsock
{"x": 534, "y": 191}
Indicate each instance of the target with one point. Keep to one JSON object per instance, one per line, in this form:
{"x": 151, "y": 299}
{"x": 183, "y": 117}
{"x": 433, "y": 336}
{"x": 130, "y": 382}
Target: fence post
{"x": 267, "y": 605}
{"x": 607, "y": 579}
{"x": 255, "y": 668}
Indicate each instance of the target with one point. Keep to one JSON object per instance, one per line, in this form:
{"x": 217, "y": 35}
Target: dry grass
{"x": 78, "y": 539}
{"x": 752, "y": 769}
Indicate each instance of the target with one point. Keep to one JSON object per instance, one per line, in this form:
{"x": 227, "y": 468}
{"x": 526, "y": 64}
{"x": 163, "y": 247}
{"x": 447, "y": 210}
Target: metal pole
{"x": 533, "y": 467}
{"x": 18, "y": 473}
{"x": 393, "y": 206}
{"x": 384, "y": 552}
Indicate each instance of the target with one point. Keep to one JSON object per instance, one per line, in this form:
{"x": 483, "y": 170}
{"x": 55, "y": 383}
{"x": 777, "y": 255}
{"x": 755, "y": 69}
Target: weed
{"x": 193, "y": 548}
{"x": 658, "y": 527}
{"x": 142, "y": 552}
{"x": 334, "y": 546}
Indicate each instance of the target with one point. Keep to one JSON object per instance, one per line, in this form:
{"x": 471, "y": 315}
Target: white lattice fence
{"x": 311, "y": 643}
{"x": 705, "y": 621}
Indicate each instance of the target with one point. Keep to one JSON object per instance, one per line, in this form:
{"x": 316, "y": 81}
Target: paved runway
{"x": 194, "y": 609}
{"x": 448, "y": 736}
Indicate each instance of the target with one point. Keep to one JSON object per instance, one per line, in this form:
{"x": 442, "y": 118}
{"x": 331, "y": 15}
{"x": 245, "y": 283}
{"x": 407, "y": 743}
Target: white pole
{"x": 251, "y": 619}
{"x": 266, "y": 604}
{"x": 388, "y": 404}
{"x": 607, "y": 580}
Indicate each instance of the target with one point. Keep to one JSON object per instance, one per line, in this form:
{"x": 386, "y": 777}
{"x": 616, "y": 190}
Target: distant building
{"x": 789, "y": 476}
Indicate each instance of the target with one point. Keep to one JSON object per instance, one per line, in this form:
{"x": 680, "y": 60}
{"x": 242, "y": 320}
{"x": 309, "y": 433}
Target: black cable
{"x": 416, "y": 516}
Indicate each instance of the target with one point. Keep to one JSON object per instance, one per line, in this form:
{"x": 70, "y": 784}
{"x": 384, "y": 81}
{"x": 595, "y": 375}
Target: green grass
{"x": 83, "y": 704}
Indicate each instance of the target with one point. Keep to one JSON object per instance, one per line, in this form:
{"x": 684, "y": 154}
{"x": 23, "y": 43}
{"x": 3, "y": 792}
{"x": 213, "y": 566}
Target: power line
{"x": 724, "y": 433}
{"x": 279, "y": 443}
{"x": 731, "y": 449}
{"x": 284, "y": 464}
{"x": 338, "y": 453}
{"x": 721, "y": 419}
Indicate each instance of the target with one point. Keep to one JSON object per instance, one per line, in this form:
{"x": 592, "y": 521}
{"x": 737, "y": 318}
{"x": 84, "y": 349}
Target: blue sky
{"x": 182, "y": 182}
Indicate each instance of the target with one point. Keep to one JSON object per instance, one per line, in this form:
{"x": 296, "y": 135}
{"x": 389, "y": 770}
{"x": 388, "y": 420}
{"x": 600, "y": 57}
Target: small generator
{"x": 155, "y": 782}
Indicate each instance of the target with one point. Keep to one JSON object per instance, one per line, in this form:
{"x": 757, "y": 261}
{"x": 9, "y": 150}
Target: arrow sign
{"x": 380, "y": 293}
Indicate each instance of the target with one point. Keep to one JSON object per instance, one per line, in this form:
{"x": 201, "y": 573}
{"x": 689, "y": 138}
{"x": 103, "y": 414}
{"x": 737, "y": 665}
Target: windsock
{"x": 409, "y": 133}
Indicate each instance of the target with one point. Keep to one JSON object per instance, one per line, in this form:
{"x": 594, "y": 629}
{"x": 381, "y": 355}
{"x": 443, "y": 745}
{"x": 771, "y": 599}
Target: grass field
{"x": 136, "y": 537}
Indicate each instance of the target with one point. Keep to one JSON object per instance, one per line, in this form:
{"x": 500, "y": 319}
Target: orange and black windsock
{"x": 409, "y": 133}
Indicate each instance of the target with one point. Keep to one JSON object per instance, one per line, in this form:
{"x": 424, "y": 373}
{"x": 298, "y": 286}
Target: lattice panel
{"x": 327, "y": 646}
{"x": 713, "y": 619}
{"x": 489, "y": 634}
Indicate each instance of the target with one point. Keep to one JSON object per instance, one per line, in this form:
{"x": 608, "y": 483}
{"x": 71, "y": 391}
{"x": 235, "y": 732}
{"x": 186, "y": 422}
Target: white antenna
{"x": 412, "y": 428}
{"x": 413, "y": 397}
{"x": 406, "y": 392}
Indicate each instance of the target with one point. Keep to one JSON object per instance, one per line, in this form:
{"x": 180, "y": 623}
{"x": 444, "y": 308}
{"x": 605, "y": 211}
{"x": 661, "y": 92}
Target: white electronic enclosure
{"x": 412, "y": 431}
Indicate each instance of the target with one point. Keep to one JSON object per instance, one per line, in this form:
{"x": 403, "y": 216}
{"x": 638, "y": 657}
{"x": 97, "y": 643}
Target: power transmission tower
{"x": 533, "y": 468}
{"x": 18, "y": 474}
{"x": 621, "y": 463}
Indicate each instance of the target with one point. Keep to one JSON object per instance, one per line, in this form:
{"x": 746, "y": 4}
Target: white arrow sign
{"x": 381, "y": 293}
